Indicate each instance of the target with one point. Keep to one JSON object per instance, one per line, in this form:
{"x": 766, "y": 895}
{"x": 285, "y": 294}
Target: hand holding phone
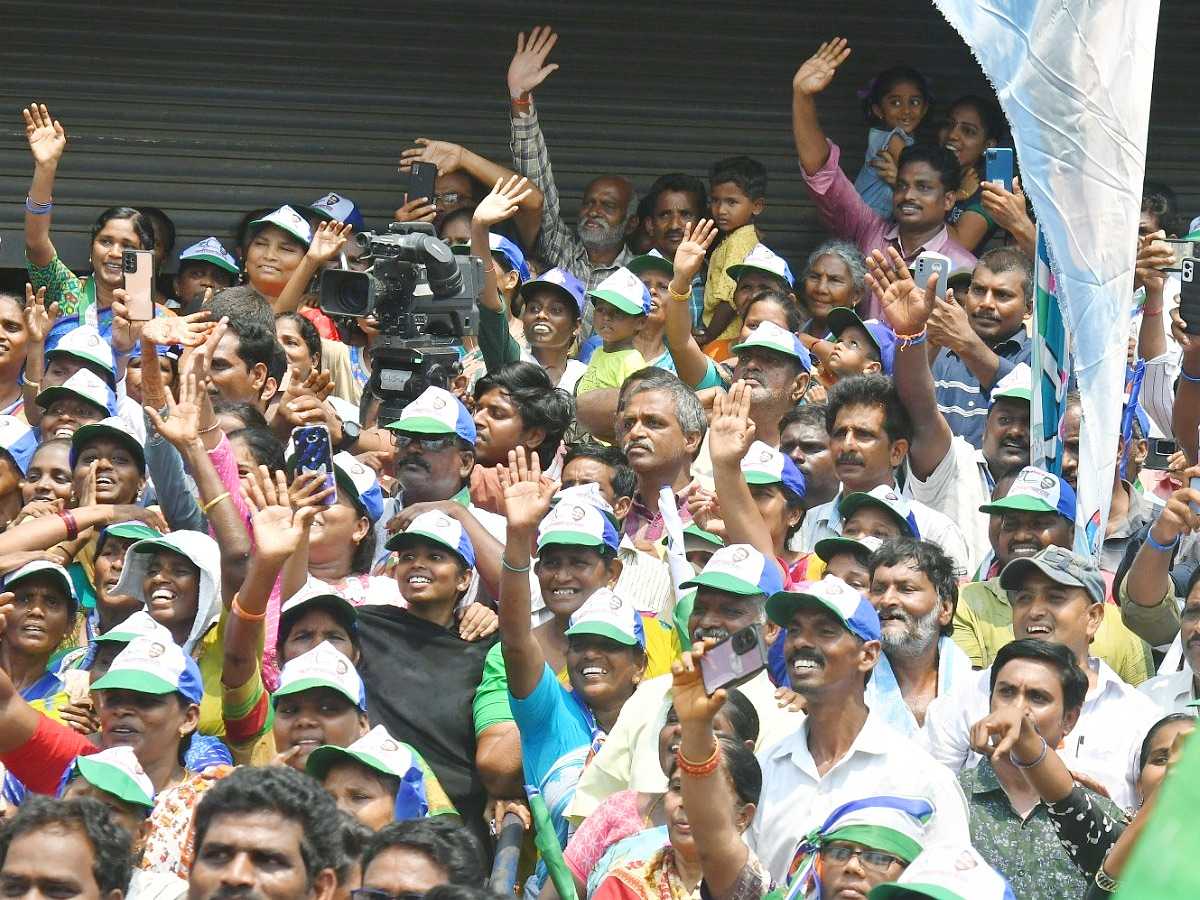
{"x": 1189, "y": 295}
{"x": 314, "y": 453}
{"x": 998, "y": 167}
{"x": 139, "y": 284}
{"x": 930, "y": 263}
{"x": 734, "y": 660}
{"x": 421, "y": 179}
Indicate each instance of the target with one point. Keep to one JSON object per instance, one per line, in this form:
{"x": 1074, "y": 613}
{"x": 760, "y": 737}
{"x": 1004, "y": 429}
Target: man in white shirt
{"x": 842, "y": 751}
{"x": 1058, "y": 596}
{"x": 1175, "y": 692}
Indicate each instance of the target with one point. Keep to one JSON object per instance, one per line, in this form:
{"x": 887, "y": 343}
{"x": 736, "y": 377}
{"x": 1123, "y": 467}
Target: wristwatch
{"x": 350, "y": 435}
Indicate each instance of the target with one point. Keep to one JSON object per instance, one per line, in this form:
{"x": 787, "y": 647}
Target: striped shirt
{"x": 960, "y": 397}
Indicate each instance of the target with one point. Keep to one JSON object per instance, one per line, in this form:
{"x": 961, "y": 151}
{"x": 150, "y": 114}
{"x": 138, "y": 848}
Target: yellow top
{"x": 719, "y": 287}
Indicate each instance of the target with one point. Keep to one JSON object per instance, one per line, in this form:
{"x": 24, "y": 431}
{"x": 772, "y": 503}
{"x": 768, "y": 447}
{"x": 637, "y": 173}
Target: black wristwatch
{"x": 350, "y": 435}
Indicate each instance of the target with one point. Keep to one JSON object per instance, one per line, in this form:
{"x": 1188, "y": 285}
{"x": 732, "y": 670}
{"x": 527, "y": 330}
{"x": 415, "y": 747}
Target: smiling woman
{"x": 44, "y": 612}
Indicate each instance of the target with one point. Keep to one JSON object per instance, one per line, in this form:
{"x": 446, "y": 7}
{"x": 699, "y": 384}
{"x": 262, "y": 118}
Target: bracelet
{"x": 37, "y": 207}
{"x": 1161, "y": 548}
{"x": 504, "y": 562}
{"x": 237, "y": 610}
{"x": 1152, "y": 315}
{"x": 1104, "y": 881}
{"x": 680, "y": 297}
{"x": 491, "y": 266}
{"x": 69, "y": 521}
{"x": 213, "y": 427}
{"x": 205, "y": 507}
{"x": 700, "y": 769}
{"x": 517, "y": 101}
{"x": 1037, "y": 762}
{"x": 1186, "y": 377}
{"x": 911, "y": 340}
{"x": 36, "y": 385}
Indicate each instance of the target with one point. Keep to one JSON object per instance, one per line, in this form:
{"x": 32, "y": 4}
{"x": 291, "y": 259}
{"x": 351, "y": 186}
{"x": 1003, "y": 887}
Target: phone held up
{"x": 998, "y": 167}
{"x": 734, "y": 660}
{"x": 314, "y": 453}
{"x": 930, "y": 263}
{"x": 139, "y": 284}
{"x": 421, "y": 178}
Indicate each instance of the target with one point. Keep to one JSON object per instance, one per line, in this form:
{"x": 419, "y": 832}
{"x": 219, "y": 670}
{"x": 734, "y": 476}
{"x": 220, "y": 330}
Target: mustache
{"x": 717, "y": 634}
{"x": 225, "y": 892}
{"x": 640, "y": 444}
{"x": 414, "y": 459}
{"x": 850, "y": 459}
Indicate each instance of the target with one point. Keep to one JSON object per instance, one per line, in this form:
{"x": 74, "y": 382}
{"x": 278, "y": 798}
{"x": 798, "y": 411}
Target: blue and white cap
{"x": 1036, "y": 490}
{"x": 739, "y": 569}
{"x": 18, "y": 440}
{"x": 763, "y": 464}
{"x": 116, "y": 771}
{"x": 625, "y": 291}
{"x": 289, "y": 220}
{"x": 881, "y": 334}
{"x": 882, "y": 497}
{"x": 152, "y": 666}
{"x": 335, "y": 207}
{"x": 139, "y": 624}
{"x": 608, "y": 615}
{"x": 1017, "y": 385}
{"x": 376, "y": 749}
{"x": 324, "y": 666}
{"x": 771, "y": 336}
{"x": 87, "y": 386}
{"x": 588, "y": 492}
{"x": 947, "y": 872}
{"x": 502, "y": 246}
{"x": 436, "y": 411}
{"x": 210, "y": 250}
{"x": 84, "y": 342}
{"x": 360, "y": 482}
{"x": 440, "y": 529}
{"x": 832, "y": 594}
{"x": 563, "y": 282}
{"x": 651, "y": 262}
{"x": 578, "y": 523}
{"x": 763, "y": 259}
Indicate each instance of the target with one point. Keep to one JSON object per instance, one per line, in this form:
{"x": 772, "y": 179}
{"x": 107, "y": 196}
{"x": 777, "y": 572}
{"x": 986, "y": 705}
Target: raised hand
{"x": 417, "y": 209}
{"x": 1153, "y": 257}
{"x": 818, "y": 70}
{"x": 309, "y": 489}
{"x": 182, "y": 423}
{"x": 1007, "y": 730}
{"x": 47, "y": 139}
{"x": 906, "y": 307}
{"x": 190, "y": 330}
{"x": 885, "y": 166}
{"x": 38, "y": 319}
{"x": 503, "y": 202}
{"x": 125, "y": 332}
{"x": 692, "y": 703}
{"x": 731, "y": 431}
{"x": 698, "y": 238}
{"x": 1006, "y": 207}
{"x": 528, "y": 68}
{"x": 279, "y": 529}
{"x": 327, "y": 241}
{"x": 526, "y": 497}
{"x": 445, "y": 155}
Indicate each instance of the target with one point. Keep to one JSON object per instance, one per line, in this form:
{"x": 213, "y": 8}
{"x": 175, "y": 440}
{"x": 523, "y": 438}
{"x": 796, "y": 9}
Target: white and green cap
{"x": 436, "y": 411}
{"x": 140, "y": 624}
{"x": 577, "y": 523}
{"x": 609, "y": 615}
{"x": 46, "y": 568}
{"x": 1036, "y": 490}
{"x": 324, "y": 666}
{"x": 151, "y": 666}
{"x": 116, "y": 771}
{"x": 84, "y": 342}
{"x": 763, "y": 259}
{"x": 763, "y": 464}
{"x": 1017, "y": 385}
{"x": 772, "y": 337}
{"x": 947, "y": 872}
{"x": 739, "y": 569}
{"x": 289, "y": 220}
{"x": 376, "y": 749}
{"x": 862, "y": 546}
{"x": 625, "y": 291}
{"x": 439, "y": 528}
{"x": 894, "y": 825}
{"x": 85, "y": 385}
{"x": 210, "y": 250}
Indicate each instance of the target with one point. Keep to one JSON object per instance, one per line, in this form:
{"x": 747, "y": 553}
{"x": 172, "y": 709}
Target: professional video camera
{"x": 423, "y": 298}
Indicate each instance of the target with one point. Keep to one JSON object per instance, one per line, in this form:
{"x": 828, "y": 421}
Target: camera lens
{"x": 353, "y": 295}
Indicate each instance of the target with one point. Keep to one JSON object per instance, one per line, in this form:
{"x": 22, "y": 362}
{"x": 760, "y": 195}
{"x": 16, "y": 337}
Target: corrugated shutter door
{"x": 210, "y": 108}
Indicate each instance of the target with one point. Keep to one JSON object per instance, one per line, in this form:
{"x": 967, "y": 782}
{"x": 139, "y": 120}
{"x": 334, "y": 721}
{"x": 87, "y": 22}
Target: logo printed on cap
{"x": 739, "y": 554}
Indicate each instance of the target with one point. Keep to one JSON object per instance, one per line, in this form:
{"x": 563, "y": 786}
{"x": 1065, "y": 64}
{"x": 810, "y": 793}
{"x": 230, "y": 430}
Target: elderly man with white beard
{"x": 914, "y": 588}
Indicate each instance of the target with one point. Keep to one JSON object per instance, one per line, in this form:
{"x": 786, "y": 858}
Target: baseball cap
{"x": 139, "y": 624}
{"x": 436, "y": 411}
{"x": 882, "y": 497}
{"x": 763, "y": 464}
{"x": 625, "y": 291}
{"x": 336, "y": 207}
{"x": 588, "y": 492}
{"x": 608, "y": 615}
{"x": 317, "y": 593}
{"x": 210, "y": 250}
{"x": 360, "y": 482}
{"x": 947, "y": 872}
{"x": 1059, "y": 565}
{"x": 376, "y": 749}
{"x": 322, "y": 666}
{"x": 502, "y": 246}
{"x": 111, "y": 427}
{"x": 577, "y": 522}
{"x": 439, "y": 528}
{"x": 116, "y": 771}
{"x": 696, "y": 538}
{"x": 44, "y": 567}
{"x": 832, "y": 594}
{"x": 960, "y": 278}
{"x": 289, "y": 220}
{"x": 1036, "y": 490}
{"x": 650, "y": 262}
{"x": 739, "y": 569}
{"x": 85, "y": 343}
{"x": 771, "y": 336}
{"x": 562, "y": 281}
{"x": 881, "y": 335}
{"x": 827, "y": 548}
{"x": 1017, "y": 384}
{"x": 763, "y": 259}
{"x": 134, "y": 531}
{"x": 18, "y": 440}
{"x": 151, "y": 666}
{"x": 87, "y": 386}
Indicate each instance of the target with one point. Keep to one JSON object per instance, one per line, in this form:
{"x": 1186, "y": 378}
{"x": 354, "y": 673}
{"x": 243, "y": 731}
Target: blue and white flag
{"x": 1074, "y": 79}
{"x": 1051, "y": 364}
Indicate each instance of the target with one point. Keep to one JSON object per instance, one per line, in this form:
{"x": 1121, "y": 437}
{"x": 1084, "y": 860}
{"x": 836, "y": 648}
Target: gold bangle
{"x": 674, "y": 296}
{"x": 36, "y": 385}
{"x": 213, "y": 427}
{"x": 205, "y": 507}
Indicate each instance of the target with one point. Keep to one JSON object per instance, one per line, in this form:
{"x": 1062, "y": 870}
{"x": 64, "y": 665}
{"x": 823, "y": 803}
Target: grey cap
{"x": 1060, "y": 565}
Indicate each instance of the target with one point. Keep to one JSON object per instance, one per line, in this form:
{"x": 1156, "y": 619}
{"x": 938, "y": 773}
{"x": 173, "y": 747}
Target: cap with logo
{"x": 576, "y": 522}
{"x": 1061, "y": 566}
{"x": 763, "y": 464}
{"x": 288, "y": 220}
{"x": 881, "y": 335}
{"x": 503, "y": 248}
{"x": 772, "y": 337}
{"x": 85, "y": 343}
{"x": 116, "y": 771}
{"x": 1036, "y": 490}
{"x": 763, "y": 259}
{"x": 439, "y": 528}
{"x": 946, "y": 872}
{"x": 360, "y": 482}
{"x": 85, "y": 385}
{"x": 625, "y": 291}
{"x": 46, "y": 569}
{"x": 562, "y": 282}
{"x": 436, "y": 411}
{"x": 150, "y": 666}
{"x": 335, "y": 207}
{"x": 608, "y": 615}
{"x": 376, "y": 749}
{"x": 1017, "y": 384}
{"x": 588, "y": 492}
{"x": 139, "y": 624}
{"x": 651, "y": 262}
{"x": 210, "y": 250}
{"x": 882, "y": 497}
{"x": 739, "y": 569}
{"x": 862, "y": 547}
{"x": 833, "y": 595}
{"x": 112, "y": 428}
{"x": 316, "y": 594}
{"x": 18, "y": 440}
{"x": 324, "y": 666}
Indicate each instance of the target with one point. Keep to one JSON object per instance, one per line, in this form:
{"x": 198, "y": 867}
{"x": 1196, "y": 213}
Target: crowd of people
{"x": 721, "y": 580}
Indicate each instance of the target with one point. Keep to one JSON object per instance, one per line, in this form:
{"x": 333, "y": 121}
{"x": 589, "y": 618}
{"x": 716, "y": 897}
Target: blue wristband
{"x": 1187, "y": 377}
{"x": 1162, "y": 548}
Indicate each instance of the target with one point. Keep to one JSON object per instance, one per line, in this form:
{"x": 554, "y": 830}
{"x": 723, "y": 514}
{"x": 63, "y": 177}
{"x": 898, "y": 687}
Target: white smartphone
{"x": 930, "y": 263}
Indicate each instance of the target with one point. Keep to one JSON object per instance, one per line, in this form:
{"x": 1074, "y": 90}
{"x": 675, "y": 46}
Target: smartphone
{"x": 1189, "y": 295}
{"x": 139, "y": 283}
{"x": 929, "y": 263}
{"x": 734, "y": 660}
{"x": 998, "y": 166}
{"x": 1161, "y": 451}
{"x": 314, "y": 453}
{"x": 421, "y": 176}
{"x": 1182, "y": 250}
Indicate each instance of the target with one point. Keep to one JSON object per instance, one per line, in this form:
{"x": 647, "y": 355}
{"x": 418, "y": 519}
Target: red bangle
{"x": 236, "y": 609}
{"x": 1151, "y": 315}
{"x": 700, "y": 769}
{"x": 69, "y": 521}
